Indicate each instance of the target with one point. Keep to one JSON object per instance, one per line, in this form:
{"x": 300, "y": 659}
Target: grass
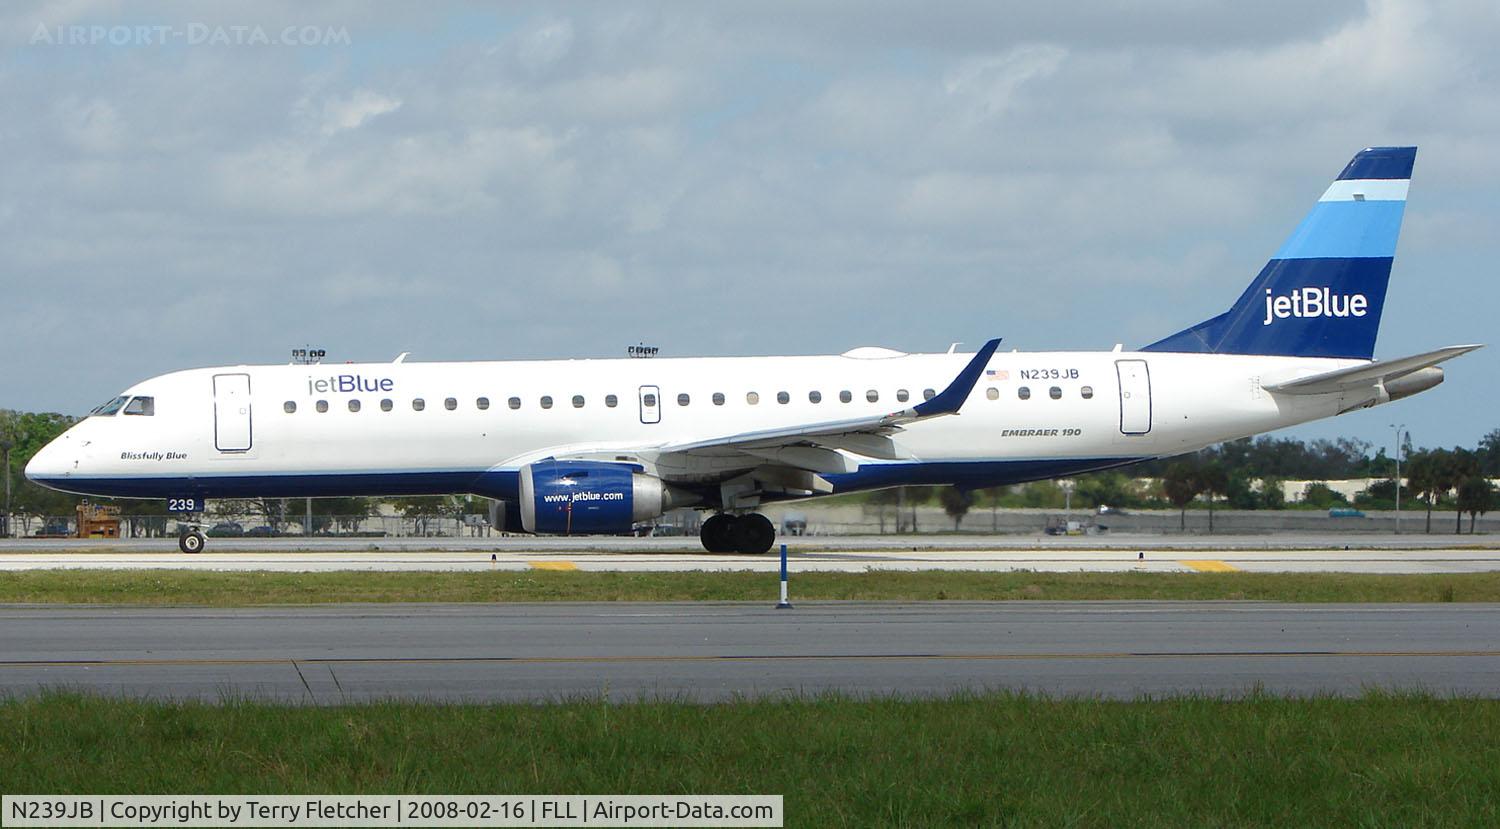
{"x": 1379, "y": 760}
{"x": 228, "y": 589}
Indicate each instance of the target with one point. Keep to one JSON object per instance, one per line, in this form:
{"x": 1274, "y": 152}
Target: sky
{"x": 185, "y": 185}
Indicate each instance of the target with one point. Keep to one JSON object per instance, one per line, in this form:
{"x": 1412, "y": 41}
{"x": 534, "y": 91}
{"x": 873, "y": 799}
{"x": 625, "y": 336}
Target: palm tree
{"x": 956, "y": 503}
{"x": 1213, "y": 480}
{"x": 1181, "y": 485}
{"x": 1422, "y": 480}
{"x": 1476, "y": 496}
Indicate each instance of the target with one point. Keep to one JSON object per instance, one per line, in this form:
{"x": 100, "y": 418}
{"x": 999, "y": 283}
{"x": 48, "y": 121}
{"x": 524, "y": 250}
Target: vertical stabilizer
{"x": 1321, "y": 295}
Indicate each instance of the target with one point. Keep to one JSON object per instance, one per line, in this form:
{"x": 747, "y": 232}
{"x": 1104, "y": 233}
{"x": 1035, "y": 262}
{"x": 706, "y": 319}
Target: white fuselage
{"x": 284, "y": 431}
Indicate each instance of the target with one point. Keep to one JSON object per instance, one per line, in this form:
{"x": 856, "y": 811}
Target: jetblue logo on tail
{"x": 1314, "y": 302}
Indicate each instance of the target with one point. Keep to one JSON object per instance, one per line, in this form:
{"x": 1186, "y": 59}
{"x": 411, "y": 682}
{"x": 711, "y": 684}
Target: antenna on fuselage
{"x": 308, "y": 356}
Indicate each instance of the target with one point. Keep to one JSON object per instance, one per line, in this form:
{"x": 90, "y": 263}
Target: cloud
{"x": 352, "y": 111}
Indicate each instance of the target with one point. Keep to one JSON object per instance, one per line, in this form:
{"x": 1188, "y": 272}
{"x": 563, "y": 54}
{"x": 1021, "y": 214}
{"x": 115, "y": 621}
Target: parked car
{"x": 56, "y": 528}
{"x": 259, "y": 532}
{"x": 226, "y": 529}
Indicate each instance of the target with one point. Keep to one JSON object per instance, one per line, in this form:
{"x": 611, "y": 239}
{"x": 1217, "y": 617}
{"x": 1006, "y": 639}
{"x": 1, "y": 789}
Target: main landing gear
{"x": 749, "y": 533}
{"x": 191, "y": 540}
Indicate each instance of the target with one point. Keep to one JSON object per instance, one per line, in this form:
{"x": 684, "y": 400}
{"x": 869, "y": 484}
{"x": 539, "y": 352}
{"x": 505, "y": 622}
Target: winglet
{"x": 957, "y": 392}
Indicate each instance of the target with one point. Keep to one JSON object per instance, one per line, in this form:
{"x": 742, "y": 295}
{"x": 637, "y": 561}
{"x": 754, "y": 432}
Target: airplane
{"x": 594, "y": 446}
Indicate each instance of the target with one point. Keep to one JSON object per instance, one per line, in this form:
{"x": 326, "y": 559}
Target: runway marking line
{"x": 1210, "y": 566}
{"x": 844, "y": 657}
{"x": 552, "y": 565}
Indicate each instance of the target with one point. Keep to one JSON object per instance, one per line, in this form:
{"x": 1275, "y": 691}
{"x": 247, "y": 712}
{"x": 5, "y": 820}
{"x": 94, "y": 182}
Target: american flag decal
{"x": 996, "y": 375}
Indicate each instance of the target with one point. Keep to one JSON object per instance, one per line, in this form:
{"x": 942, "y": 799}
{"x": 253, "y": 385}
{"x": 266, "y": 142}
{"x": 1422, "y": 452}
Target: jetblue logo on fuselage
{"x": 349, "y": 384}
{"x": 1314, "y": 302}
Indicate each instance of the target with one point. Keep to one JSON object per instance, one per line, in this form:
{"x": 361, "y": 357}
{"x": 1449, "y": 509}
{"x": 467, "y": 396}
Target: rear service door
{"x": 650, "y": 404}
{"x": 1135, "y": 396}
{"x": 232, "y": 412}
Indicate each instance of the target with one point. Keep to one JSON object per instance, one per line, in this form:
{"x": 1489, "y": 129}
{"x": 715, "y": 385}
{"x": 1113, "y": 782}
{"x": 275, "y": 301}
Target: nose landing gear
{"x": 191, "y": 540}
{"x": 750, "y": 533}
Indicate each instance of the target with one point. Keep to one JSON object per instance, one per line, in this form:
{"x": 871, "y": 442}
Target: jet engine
{"x": 588, "y": 497}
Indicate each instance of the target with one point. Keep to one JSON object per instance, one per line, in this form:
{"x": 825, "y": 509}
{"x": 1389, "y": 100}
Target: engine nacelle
{"x": 1415, "y": 383}
{"x": 587, "y": 497}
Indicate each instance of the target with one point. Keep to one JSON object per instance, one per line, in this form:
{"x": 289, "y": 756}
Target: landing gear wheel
{"x": 753, "y": 534}
{"x": 191, "y": 542}
{"x": 715, "y": 533}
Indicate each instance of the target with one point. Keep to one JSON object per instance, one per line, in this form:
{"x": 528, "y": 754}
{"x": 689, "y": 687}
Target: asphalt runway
{"x": 1266, "y": 553}
{"x": 710, "y": 652}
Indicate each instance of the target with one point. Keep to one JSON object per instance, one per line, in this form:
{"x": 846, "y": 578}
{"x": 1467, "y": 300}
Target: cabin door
{"x": 650, "y": 404}
{"x": 1135, "y": 396}
{"x": 232, "y": 412}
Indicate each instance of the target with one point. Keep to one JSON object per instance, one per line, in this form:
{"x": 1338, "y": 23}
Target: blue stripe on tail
{"x": 1323, "y": 292}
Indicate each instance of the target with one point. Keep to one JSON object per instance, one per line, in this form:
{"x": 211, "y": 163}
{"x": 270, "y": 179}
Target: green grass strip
{"x": 1379, "y": 760}
{"x": 228, "y": 589}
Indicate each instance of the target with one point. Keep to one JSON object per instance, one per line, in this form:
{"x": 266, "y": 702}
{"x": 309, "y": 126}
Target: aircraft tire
{"x": 717, "y": 533}
{"x": 192, "y": 542}
{"x": 753, "y": 533}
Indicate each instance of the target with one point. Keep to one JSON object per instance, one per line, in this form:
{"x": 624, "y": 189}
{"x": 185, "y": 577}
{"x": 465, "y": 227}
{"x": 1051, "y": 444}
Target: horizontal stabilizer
{"x": 1376, "y": 373}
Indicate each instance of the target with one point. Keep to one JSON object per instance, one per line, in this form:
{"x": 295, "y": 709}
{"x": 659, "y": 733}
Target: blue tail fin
{"x": 1322, "y": 293}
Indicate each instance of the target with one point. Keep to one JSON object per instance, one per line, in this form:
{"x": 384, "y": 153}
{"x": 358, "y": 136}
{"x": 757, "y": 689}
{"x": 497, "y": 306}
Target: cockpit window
{"x": 109, "y": 409}
{"x": 142, "y": 406}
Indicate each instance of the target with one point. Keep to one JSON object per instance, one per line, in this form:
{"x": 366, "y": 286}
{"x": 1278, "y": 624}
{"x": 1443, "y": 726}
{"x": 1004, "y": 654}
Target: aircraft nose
{"x": 52, "y": 461}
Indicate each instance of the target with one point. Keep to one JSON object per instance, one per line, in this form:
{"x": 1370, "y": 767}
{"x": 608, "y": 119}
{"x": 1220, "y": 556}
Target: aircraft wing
{"x": 852, "y": 432}
{"x": 1379, "y": 372}
{"x": 801, "y": 451}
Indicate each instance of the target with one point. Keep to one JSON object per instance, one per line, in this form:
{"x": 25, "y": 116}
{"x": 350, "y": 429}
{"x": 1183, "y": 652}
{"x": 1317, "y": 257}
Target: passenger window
{"x": 514, "y": 402}
{"x": 483, "y": 403}
{"x": 718, "y": 398}
{"x": 902, "y": 395}
{"x": 815, "y": 397}
{"x": 577, "y": 401}
{"x": 845, "y": 396}
{"x": 322, "y": 406}
{"x": 928, "y": 394}
{"x": 290, "y": 407}
{"x": 1055, "y": 393}
{"x": 386, "y": 405}
{"x": 1024, "y": 393}
{"x": 992, "y": 393}
{"x": 783, "y": 397}
{"x": 418, "y": 404}
{"x": 683, "y": 400}
{"x": 547, "y": 401}
{"x": 144, "y": 406}
{"x": 611, "y": 401}
{"x": 1087, "y": 392}
{"x": 648, "y": 401}
{"x": 353, "y": 405}
{"x": 451, "y": 404}
{"x": 873, "y": 396}
{"x": 752, "y": 398}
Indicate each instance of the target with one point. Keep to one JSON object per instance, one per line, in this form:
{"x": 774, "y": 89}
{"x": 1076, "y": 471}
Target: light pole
{"x": 1398, "y": 474}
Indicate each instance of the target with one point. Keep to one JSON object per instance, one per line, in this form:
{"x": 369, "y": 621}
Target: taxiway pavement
{"x": 708, "y": 652}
